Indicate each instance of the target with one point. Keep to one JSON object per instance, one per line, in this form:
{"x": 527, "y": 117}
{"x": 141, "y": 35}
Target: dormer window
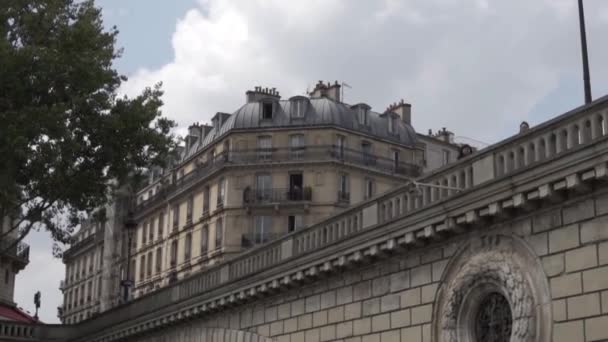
{"x": 266, "y": 110}
{"x": 361, "y": 110}
{"x": 392, "y": 124}
{"x": 298, "y": 107}
{"x": 362, "y": 113}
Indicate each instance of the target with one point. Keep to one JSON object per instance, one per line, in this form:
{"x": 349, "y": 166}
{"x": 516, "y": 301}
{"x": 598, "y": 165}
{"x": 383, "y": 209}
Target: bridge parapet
{"x": 548, "y": 141}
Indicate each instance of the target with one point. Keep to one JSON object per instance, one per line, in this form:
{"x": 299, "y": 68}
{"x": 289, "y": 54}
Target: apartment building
{"x": 271, "y": 167}
{"x": 266, "y": 170}
{"x": 95, "y": 264}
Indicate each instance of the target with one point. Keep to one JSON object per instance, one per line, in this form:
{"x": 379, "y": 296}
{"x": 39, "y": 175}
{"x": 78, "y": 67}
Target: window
{"x": 142, "y": 267}
{"x": 212, "y": 156}
{"x": 266, "y": 110}
{"x": 188, "y": 247}
{"x": 366, "y": 148}
{"x": 6, "y": 276}
{"x": 221, "y": 192}
{"x": 161, "y": 224}
{"x": 89, "y": 290}
{"x": 296, "y": 146}
{"x": 343, "y": 194}
{"x": 263, "y": 184}
{"x": 189, "y": 209}
{"x": 294, "y": 223}
{"x": 395, "y": 157}
{"x": 173, "y": 253}
{"x": 446, "y": 157}
{"x": 392, "y": 124}
{"x": 204, "y": 240}
{"x": 149, "y": 268}
{"x": 219, "y": 233}
{"x": 159, "y": 260}
{"x": 151, "y": 230}
{"x": 341, "y": 145}
{"x": 261, "y": 229}
{"x": 363, "y": 115}
{"x": 175, "y": 217}
{"x": 265, "y": 148}
{"x": 144, "y": 233}
{"x": 369, "y": 188}
{"x": 299, "y": 108}
{"x": 206, "y": 199}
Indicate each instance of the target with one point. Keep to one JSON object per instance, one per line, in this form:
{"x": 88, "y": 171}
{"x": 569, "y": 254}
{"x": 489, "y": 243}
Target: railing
{"x": 272, "y": 195}
{"x": 320, "y": 153}
{"x": 253, "y": 239}
{"x": 549, "y": 140}
{"x": 19, "y": 251}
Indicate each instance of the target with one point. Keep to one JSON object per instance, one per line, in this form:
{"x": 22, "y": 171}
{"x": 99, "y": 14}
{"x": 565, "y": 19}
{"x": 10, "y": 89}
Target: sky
{"x": 476, "y": 67}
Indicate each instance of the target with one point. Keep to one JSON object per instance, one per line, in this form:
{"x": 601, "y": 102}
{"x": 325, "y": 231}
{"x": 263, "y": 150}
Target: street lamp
{"x": 130, "y": 225}
{"x": 586, "y": 77}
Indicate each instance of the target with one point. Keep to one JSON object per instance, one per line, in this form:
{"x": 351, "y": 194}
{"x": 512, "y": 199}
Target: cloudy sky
{"x": 477, "y": 67}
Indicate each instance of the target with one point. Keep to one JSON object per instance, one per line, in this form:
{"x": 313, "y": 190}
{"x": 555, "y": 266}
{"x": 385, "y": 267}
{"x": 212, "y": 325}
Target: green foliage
{"x": 65, "y": 134}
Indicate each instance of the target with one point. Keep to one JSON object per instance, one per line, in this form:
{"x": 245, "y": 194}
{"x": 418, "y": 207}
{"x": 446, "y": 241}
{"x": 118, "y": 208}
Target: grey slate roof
{"x": 320, "y": 112}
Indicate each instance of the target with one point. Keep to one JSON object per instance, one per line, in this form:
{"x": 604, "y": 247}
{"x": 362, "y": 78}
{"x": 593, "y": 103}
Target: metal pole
{"x": 586, "y": 78}
{"x": 128, "y": 278}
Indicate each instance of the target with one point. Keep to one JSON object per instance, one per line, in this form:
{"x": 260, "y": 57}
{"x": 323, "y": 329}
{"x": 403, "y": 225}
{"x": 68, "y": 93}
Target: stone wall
{"x": 394, "y": 298}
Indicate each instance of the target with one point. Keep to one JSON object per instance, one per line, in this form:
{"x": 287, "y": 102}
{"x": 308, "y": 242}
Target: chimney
{"x": 444, "y": 135}
{"x": 259, "y": 94}
{"x": 194, "y": 133}
{"x": 404, "y": 110}
{"x": 333, "y": 91}
{"x": 329, "y": 90}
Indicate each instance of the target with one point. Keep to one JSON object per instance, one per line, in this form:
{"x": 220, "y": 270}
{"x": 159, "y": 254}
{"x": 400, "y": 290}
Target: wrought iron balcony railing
{"x": 317, "y": 153}
{"x": 272, "y": 195}
{"x": 18, "y": 251}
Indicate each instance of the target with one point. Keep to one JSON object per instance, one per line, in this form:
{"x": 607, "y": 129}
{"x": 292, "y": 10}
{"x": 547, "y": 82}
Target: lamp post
{"x": 130, "y": 225}
{"x": 586, "y": 77}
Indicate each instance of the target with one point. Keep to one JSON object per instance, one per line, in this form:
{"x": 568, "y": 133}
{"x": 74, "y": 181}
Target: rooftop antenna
{"x": 344, "y": 84}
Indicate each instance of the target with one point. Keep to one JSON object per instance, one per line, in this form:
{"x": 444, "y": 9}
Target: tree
{"x": 66, "y": 136}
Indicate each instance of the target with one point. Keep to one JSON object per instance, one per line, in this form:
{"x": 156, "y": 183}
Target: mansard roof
{"x": 320, "y": 112}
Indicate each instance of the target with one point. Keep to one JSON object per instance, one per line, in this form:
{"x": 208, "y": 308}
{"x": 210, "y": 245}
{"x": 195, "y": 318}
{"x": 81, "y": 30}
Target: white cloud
{"x": 473, "y": 66}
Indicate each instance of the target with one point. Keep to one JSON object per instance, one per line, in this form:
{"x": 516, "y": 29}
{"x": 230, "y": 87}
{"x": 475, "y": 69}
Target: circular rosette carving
{"x": 486, "y": 273}
{"x": 499, "y": 268}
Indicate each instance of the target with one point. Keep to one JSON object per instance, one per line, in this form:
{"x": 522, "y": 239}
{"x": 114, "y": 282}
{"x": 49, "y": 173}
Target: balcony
{"x": 273, "y": 196}
{"x": 19, "y": 252}
{"x": 300, "y": 154}
{"x": 62, "y": 285}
